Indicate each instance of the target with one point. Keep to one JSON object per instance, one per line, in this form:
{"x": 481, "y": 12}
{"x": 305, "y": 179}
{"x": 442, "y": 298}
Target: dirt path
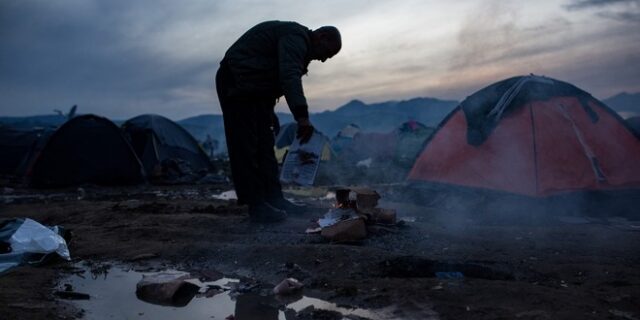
{"x": 536, "y": 270}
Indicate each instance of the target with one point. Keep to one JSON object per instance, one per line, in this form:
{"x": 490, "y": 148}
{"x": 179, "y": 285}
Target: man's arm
{"x": 305, "y": 130}
{"x": 292, "y": 50}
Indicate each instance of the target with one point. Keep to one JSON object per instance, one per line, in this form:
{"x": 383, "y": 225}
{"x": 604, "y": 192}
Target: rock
{"x": 166, "y": 289}
{"x": 287, "y": 286}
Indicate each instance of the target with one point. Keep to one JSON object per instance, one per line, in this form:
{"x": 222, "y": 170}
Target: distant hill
{"x": 377, "y": 117}
{"x": 34, "y": 121}
{"x": 383, "y": 116}
{"x": 626, "y": 104}
{"x": 200, "y": 126}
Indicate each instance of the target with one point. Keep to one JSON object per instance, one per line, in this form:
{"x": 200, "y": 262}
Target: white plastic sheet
{"x": 227, "y": 195}
{"x": 33, "y": 237}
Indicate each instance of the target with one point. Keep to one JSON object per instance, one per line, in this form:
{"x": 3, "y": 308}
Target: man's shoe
{"x": 288, "y": 206}
{"x": 266, "y": 213}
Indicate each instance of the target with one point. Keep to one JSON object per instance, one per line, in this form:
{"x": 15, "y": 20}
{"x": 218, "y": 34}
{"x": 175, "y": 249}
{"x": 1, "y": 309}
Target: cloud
{"x": 584, "y": 4}
{"x": 633, "y": 17}
{"x": 121, "y": 58}
{"x": 104, "y": 56}
{"x": 618, "y": 10}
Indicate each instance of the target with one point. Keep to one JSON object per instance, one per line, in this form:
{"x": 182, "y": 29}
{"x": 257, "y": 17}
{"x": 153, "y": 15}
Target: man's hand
{"x": 305, "y": 130}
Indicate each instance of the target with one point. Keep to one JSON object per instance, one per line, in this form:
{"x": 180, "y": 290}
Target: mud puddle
{"x": 110, "y": 293}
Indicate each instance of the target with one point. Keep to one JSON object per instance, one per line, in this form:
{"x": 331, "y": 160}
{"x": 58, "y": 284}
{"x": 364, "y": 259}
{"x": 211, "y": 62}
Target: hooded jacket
{"x": 269, "y": 60}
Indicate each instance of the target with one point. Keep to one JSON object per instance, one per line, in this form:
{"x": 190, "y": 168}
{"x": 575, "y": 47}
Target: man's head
{"x": 325, "y": 43}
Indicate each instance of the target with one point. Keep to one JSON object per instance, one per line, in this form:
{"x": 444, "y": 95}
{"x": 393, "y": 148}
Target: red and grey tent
{"x": 634, "y": 124}
{"x": 533, "y": 136}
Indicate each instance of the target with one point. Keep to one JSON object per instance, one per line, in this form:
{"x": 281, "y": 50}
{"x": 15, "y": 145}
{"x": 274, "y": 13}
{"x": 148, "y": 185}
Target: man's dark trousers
{"x": 250, "y": 142}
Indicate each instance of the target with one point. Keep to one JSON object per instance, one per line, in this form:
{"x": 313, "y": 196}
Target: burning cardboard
{"x": 354, "y": 210}
{"x": 366, "y": 198}
{"x": 380, "y": 215}
{"x": 352, "y": 229}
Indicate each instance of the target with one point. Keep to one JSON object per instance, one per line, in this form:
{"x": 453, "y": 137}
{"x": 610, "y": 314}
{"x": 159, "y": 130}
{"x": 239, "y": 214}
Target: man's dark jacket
{"x": 269, "y": 60}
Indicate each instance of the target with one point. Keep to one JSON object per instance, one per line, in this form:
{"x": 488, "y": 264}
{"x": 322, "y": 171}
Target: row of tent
{"x": 352, "y": 145}
{"x": 527, "y": 135}
{"x": 92, "y": 149}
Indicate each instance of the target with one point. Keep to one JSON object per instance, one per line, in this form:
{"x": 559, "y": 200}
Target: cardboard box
{"x": 346, "y": 230}
{"x": 366, "y": 198}
{"x": 380, "y": 215}
{"x": 385, "y": 216}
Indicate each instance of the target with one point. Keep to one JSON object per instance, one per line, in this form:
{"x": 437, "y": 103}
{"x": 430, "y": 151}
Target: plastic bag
{"x": 32, "y": 237}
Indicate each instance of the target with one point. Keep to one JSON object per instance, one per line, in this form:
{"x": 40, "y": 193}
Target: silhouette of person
{"x": 209, "y": 145}
{"x": 265, "y": 63}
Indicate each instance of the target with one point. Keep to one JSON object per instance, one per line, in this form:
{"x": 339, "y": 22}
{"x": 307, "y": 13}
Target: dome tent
{"x": 19, "y": 148}
{"x": 86, "y": 149}
{"x": 155, "y": 138}
{"x": 344, "y": 137}
{"x": 398, "y": 147}
{"x": 532, "y": 136}
{"x": 634, "y": 124}
{"x": 411, "y": 136}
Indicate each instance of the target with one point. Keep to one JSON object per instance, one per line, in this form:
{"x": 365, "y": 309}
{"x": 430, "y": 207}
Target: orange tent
{"x": 534, "y": 136}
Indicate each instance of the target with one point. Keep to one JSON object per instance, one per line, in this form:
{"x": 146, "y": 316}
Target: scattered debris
{"x": 354, "y": 210}
{"x": 381, "y": 215}
{"x": 81, "y": 194}
{"x": 144, "y": 256}
{"x": 288, "y": 286}
{"x": 352, "y": 229}
{"x": 335, "y": 215}
{"x": 72, "y": 295}
{"x": 366, "y": 163}
{"x": 293, "y": 270}
{"x": 622, "y": 314}
{"x": 227, "y": 195}
{"x": 212, "y": 178}
{"x": 533, "y": 314}
{"x": 417, "y": 267}
{"x": 312, "y": 192}
{"x": 449, "y": 275}
{"x": 366, "y": 198}
{"x": 239, "y": 288}
{"x": 209, "y": 275}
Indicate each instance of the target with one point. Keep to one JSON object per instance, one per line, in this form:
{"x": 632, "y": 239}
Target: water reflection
{"x": 253, "y": 306}
{"x": 115, "y": 297}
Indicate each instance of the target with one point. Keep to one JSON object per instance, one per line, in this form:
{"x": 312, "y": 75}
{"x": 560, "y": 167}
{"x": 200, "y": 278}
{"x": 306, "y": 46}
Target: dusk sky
{"x": 121, "y": 58}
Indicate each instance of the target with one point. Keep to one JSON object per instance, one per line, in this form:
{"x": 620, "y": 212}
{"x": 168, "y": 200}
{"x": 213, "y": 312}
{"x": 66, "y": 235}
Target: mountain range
{"x": 375, "y": 117}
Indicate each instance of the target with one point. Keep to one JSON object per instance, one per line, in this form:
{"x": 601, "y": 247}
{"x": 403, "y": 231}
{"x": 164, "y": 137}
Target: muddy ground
{"x": 534, "y": 267}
